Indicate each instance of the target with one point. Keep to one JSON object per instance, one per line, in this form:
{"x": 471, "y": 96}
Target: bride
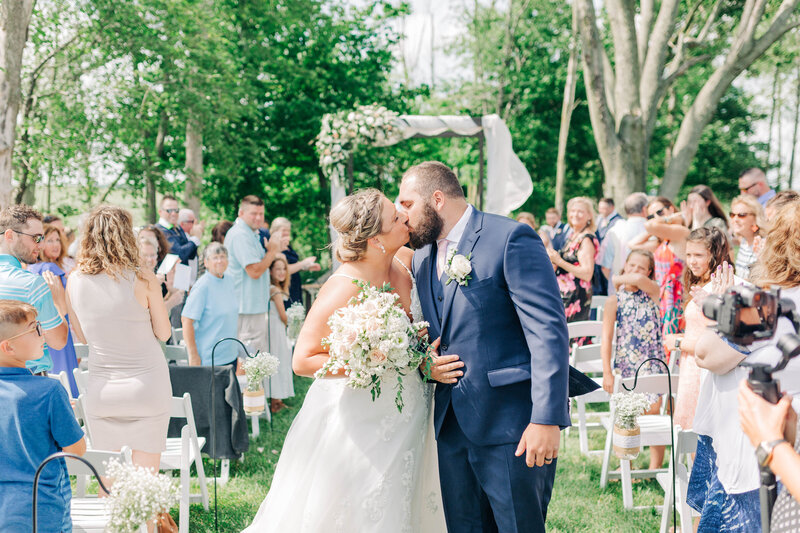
{"x": 351, "y": 464}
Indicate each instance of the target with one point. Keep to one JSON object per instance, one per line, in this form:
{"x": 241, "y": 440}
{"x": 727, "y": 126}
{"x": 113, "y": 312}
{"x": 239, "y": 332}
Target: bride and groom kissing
{"x": 484, "y": 459}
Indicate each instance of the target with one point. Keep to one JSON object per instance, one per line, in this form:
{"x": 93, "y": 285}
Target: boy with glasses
{"x": 36, "y": 421}
{"x": 21, "y": 234}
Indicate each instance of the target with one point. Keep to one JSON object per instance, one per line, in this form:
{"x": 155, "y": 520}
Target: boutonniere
{"x": 458, "y": 268}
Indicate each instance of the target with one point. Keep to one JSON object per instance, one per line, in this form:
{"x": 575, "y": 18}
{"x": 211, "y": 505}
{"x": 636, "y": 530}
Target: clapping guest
{"x": 574, "y": 263}
{"x": 211, "y": 312}
{"x": 152, "y": 232}
{"x": 117, "y": 309}
{"x": 747, "y": 221}
{"x": 281, "y": 386}
{"x": 552, "y": 225}
{"x": 51, "y": 259}
{"x": 631, "y": 322}
{"x": 180, "y": 244}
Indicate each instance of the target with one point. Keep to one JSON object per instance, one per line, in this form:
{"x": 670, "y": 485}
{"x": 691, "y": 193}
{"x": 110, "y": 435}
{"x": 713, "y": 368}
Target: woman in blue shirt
{"x": 211, "y": 312}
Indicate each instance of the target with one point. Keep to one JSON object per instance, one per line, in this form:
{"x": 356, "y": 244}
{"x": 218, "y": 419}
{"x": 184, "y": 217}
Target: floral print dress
{"x": 575, "y": 293}
{"x": 638, "y": 335}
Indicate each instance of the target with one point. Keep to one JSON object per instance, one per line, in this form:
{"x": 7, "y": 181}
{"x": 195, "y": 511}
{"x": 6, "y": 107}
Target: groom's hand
{"x": 445, "y": 368}
{"x": 539, "y": 443}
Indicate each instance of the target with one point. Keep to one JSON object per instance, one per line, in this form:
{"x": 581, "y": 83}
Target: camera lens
{"x": 711, "y": 307}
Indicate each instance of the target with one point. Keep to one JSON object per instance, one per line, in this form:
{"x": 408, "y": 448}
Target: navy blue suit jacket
{"x": 509, "y": 328}
{"x": 180, "y": 244}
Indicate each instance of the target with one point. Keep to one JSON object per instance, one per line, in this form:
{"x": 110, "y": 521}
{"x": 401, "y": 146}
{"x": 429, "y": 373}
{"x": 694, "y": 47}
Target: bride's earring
{"x": 382, "y": 248}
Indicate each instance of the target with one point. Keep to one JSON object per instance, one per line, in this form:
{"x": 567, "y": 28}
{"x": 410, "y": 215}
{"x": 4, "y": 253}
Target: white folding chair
{"x": 63, "y": 379}
{"x": 594, "y": 330}
{"x": 180, "y": 454}
{"x": 179, "y": 354}
{"x": 588, "y": 360}
{"x": 656, "y": 430}
{"x": 598, "y": 302}
{"x": 82, "y": 353}
{"x": 685, "y": 446}
{"x": 177, "y": 336}
{"x": 586, "y": 328}
{"x": 81, "y": 380}
{"x": 89, "y": 513}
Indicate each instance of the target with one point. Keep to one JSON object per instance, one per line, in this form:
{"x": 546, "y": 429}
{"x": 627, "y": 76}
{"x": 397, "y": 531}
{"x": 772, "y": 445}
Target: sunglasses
{"x": 739, "y": 215}
{"x": 746, "y": 189}
{"x": 172, "y": 210}
{"x": 37, "y": 328}
{"x": 37, "y": 238}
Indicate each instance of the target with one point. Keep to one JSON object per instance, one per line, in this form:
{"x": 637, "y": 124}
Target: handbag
{"x": 165, "y": 524}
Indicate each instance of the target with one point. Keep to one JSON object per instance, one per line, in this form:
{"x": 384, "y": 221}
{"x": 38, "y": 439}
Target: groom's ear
{"x": 438, "y": 200}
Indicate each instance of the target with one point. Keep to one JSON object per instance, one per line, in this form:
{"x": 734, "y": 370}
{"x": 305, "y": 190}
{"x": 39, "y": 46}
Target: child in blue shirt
{"x": 36, "y": 420}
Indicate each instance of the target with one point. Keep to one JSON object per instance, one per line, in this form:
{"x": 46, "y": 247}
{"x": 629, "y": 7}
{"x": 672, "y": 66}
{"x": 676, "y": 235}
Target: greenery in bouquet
{"x": 295, "y": 316}
{"x": 259, "y": 367}
{"x": 137, "y": 495}
{"x": 372, "y": 338}
{"x": 627, "y": 407}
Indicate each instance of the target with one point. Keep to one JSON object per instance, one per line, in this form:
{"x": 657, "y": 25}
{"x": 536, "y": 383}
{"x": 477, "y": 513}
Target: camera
{"x": 745, "y": 315}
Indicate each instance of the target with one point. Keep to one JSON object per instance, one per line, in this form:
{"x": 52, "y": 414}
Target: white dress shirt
{"x": 452, "y": 239}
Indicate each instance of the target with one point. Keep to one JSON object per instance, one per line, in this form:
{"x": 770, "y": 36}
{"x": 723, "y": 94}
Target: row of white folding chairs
{"x": 172, "y": 352}
{"x": 181, "y": 452}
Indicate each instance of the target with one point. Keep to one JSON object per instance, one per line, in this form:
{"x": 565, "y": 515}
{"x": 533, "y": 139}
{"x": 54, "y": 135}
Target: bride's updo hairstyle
{"x": 356, "y": 218}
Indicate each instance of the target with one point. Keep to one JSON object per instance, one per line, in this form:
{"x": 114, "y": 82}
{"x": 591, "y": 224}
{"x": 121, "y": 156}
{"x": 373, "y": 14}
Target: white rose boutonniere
{"x": 458, "y": 268}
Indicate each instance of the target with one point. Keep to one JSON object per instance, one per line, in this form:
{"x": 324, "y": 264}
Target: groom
{"x": 499, "y": 409}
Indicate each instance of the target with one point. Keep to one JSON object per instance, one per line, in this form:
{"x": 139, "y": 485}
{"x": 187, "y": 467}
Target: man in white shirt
{"x": 194, "y": 232}
{"x": 621, "y": 234}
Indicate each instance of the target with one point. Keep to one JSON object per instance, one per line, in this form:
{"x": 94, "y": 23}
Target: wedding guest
{"x": 667, "y": 225}
{"x": 561, "y": 230}
{"x": 117, "y": 309}
{"x": 703, "y": 210}
{"x": 633, "y": 311}
{"x": 574, "y": 263}
{"x": 527, "y": 218}
{"x": 22, "y": 232}
{"x": 552, "y": 225}
{"x": 707, "y": 252}
{"x": 747, "y": 223}
{"x": 620, "y": 236}
{"x": 193, "y": 230}
{"x": 219, "y": 231}
{"x": 211, "y": 312}
{"x": 608, "y": 217}
{"x": 779, "y": 200}
{"x": 152, "y": 232}
{"x": 753, "y": 182}
{"x": 37, "y": 421}
{"x": 282, "y": 224}
{"x": 148, "y": 255}
{"x": 248, "y": 267}
{"x": 51, "y": 259}
{"x": 280, "y": 385}
{"x": 180, "y": 244}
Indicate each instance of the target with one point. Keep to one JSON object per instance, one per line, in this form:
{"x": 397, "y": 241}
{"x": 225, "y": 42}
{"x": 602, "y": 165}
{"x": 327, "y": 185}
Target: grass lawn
{"x": 578, "y": 503}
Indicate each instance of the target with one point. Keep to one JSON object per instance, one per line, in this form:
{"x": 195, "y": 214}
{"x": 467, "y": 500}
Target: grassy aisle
{"x": 578, "y": 503}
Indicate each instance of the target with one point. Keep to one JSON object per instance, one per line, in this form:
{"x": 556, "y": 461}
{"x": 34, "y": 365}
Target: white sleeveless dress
{"x": 353, "y": 465}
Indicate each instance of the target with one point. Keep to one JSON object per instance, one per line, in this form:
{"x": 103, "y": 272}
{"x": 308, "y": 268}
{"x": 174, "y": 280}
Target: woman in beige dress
{"x": 117, "y": 309}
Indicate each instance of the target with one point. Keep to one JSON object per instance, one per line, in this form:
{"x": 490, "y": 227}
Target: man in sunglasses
{"x": 753, "y": 181}
{"x": 21, "y": 235}
{"x": 180, "y": 244}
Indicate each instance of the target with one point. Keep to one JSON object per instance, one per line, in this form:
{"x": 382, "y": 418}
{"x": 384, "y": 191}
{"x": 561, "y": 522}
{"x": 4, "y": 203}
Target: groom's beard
{"x": 428, "y": 229}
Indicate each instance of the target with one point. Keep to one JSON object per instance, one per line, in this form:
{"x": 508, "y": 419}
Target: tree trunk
{"x": 794, "y": 133}
{"x": 194, "y": 165}
{"x": 15, "y": 16}
{"x": 151, "y": 211}
{"x": 772, "y": 112}
{"x": 567, "y": 107}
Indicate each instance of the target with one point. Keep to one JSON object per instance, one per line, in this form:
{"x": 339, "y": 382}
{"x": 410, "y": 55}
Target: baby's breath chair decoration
{"x": 627, "y": 436}
{"x": 257, "y": 369}
{"x": 344, "y": 131}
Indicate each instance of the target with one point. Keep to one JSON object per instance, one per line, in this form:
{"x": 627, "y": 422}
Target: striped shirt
{"x": 745, "y": 259}
{"x": 19, "y": 284}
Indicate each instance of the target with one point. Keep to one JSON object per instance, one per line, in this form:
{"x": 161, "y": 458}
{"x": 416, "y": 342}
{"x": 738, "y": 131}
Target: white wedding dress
{"x": 351, "y": 465}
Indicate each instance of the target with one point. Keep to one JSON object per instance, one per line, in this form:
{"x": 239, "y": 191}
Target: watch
{"x": 678, "y": 343}
{"x": 765, "y": 449}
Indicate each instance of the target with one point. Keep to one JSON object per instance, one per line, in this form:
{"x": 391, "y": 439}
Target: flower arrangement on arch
{"x": 259, "y": 367}
{"x": 137, "y": 495}
{"x": 344, "y": 131}
{"x": 372, "y": 338}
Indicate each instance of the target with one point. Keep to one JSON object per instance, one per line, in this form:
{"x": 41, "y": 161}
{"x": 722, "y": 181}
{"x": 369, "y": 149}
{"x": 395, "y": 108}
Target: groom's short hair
{"x": 434, "y": 176}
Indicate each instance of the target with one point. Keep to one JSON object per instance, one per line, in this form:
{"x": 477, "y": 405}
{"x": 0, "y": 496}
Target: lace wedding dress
{"x": 352, "y": 465}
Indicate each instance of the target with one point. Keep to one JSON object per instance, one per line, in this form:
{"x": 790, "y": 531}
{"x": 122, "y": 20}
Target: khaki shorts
{"x": 253, "y": 332}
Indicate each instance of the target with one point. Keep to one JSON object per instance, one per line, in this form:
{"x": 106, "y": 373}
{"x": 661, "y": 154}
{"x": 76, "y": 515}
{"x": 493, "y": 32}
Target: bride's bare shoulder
{"x": 405, "y": 255}
{"x": 335, "y": 293}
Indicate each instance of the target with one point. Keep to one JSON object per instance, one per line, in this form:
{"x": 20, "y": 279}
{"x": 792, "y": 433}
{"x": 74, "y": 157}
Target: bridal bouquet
{"x": 373, "y": 337}
{"x": 295, "y": 316}
{"x": 138, "y": 494}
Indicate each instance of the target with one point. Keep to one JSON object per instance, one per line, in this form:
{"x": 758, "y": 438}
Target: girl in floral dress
{"x": 638, "y": 329}
{"x": 574, "y": 263}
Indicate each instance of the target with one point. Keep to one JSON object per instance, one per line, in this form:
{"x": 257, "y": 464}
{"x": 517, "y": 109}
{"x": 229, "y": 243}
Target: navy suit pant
{"x": 486, "y": 489}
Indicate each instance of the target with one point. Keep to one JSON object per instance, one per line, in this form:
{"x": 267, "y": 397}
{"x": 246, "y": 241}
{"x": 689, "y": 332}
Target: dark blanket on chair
{"x": 231, "y": 423}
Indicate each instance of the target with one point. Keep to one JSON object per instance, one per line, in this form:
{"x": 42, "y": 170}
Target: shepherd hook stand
{"x": 671, "y": 428}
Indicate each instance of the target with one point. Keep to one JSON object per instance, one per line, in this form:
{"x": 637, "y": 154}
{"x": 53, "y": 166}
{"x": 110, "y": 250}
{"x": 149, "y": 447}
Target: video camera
{"x": 745, "y": 315}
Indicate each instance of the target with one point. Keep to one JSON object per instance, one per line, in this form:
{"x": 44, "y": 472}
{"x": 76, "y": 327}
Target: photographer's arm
{"x": 716, "y": 355}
